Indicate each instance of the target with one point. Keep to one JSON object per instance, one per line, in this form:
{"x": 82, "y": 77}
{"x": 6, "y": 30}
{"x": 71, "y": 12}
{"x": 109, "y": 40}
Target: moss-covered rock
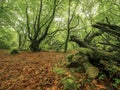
{"x": 69, "y": 57}
{"x": 14, "y": 51}
{"x": 76, "y": 58}
{"x": 92, "y": 72}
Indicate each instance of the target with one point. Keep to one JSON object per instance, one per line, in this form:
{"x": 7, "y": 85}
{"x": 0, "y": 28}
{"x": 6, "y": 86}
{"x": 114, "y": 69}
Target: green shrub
{"x": 102, "y": 76}
{"x": 14, "y": 51}
{"x": 69, "y": 83}
{"x": 80, "y": 69}
{"x": 69, "y": 58}
{"x": 3, "y": 45}
{"x": 59, "y": 71}
{"x": 116, "y": 82}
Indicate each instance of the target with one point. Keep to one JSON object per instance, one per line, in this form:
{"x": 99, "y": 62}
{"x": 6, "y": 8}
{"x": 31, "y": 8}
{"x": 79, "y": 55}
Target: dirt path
{"x": 28, "y": 70}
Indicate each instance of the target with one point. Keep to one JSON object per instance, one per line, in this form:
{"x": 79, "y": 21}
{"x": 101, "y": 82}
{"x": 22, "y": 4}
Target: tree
{"x": 7, "y": 35}
{"x": 6, "y": 8}
{"x": 70, "y": 19}
{"x": 7, "y": 38}
{"x": 92, "y": 55}
{"x": 37, "y": 31}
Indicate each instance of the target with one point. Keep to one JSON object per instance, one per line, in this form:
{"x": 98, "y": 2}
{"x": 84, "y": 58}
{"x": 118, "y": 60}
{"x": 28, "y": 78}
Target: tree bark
{"x": 92, "y": 57}
{"x": 97, "y": 53}
{"x": 108, "y": 28}
{"x": 70, "y": 18}
{"x": 34, "y": 46}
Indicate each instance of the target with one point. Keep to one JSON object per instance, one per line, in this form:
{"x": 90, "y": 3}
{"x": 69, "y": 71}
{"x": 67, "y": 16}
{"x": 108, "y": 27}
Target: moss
{"x": 80, "y": 69}
{"x": 92, "y": 72}
{"x": 73, "y": 65}
{"x": 86, "y": 51}
{"x": 76, "y": 58}
{"x": 14, "y": 51}
{"x": 69, "y": 57}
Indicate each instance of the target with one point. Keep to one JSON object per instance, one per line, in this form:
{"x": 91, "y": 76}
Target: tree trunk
{"x": 93, "y": 52}
{"x": 37, "y": 35}
{"x": 68, "y": 29}
{"x": 34, "y": 46}
{"x": 70, "y": 18}
{"x": 95, "y": 56}
{"x": 19, "y": 37}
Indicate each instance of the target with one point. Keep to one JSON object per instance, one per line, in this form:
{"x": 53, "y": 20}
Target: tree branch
{"x": 50, "y": 22}
{"x": 28, "y": 25}
{"x": 39, "y": 15}
{"x": 112, "y": 29}
{"x": 90, "y": 37}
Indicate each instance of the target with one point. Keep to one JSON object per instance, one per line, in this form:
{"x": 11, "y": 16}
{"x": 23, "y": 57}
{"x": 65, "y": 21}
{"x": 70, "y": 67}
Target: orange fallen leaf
{"x": 54, "y": 88}
{"x": 101, "y": 86}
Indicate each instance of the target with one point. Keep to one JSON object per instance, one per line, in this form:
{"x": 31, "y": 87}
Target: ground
{"x": 28, "y": 70}
{"x": 34, "y": 71}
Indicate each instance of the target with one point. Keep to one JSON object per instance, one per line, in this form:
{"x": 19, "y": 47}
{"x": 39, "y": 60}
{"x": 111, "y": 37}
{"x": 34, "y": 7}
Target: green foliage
{"x": 72, "y": 70}
{"x": 69, "y": 57}
{"x": 13, "y": 19}
{"x": 7, "y": 38}
{"x": 14, "y": 51}
{"x": 69, "y": 83}
{"x": 86, "y": 51}
{"x": 116, "y": 82}
{"x": 3, "y": 45}
{"x": 80, "y": 69}
{"x": 102, "y": 76}
{"x": 12, "y": 13}
{"x": 56, "y": 45}
{"x": 59, "y": 71}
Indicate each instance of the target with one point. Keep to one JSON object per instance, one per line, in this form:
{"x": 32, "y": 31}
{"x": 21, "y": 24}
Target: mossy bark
{"x": 34, "y": 46}
{"x": 92, "y": 56}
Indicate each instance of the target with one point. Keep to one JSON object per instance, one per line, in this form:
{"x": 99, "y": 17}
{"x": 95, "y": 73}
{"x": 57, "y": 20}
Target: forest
{"x": 59, "y": 44}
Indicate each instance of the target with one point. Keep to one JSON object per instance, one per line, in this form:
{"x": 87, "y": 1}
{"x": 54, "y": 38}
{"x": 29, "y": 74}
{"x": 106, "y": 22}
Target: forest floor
{"x": 34, "y": 71}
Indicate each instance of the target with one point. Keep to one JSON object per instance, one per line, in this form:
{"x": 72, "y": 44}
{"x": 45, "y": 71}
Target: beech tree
{"x": 70, "y": 20}
{"x": 37, "y": 31}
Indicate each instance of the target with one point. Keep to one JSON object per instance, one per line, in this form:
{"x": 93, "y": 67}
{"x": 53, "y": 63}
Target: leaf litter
{"x": 28, "y": 70}
{"x": 34, "y": 71}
